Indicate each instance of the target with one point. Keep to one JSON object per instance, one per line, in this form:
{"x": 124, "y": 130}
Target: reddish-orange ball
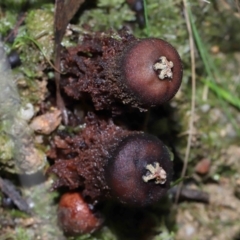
{"x": 75, "y": 216}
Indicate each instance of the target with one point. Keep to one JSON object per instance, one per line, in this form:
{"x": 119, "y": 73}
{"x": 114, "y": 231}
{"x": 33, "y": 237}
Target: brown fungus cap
{"x": 152, "y": 71}
{"x": 139, "y": 171}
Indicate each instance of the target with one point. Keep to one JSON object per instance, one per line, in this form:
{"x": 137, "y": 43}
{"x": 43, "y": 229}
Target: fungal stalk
{"x": 155, "y": 172}
{"x": 164, "y": 67}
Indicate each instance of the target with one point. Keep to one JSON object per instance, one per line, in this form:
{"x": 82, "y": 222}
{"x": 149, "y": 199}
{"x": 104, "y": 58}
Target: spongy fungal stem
{"x": 164, "y": 68}
{"x": 155, "y": 172}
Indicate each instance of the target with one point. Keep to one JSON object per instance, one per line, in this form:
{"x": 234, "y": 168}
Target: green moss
{"x": 109, "y": 14}
{"x": 8, "y": 20}
{"x": 19, "y": 233}
{"x": 18, "y": 5}
{"x": 35, "y": 46}
{"x": 44, "y": 210}
{"x": 216, "y": 27}
{"x": 35, "y": 41}
{"x": 6, "y": 150}
{"x": 39, "y": 26}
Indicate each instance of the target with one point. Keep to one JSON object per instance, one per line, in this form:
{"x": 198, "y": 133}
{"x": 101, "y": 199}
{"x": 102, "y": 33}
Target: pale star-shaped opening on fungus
{"x": 164, "y": 68}
{"x": 155, "y": 172}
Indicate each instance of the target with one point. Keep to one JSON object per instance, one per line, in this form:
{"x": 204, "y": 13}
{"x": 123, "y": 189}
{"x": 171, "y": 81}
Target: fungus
{"x": 117, "y": 70}
{"x": 75, "y": 216}
{"x": 106, "y": 161}
{"x": 127, "y": 170}
{"x": 152, "y": 71}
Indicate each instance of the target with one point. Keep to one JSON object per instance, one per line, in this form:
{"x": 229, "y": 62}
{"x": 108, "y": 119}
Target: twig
{"x": 191, "y": 120}
{"x": 237, "y": 5}
{"x": 10, "y": 190}
{"x": 190, "y": 195}
{"x": 14, "y": 32}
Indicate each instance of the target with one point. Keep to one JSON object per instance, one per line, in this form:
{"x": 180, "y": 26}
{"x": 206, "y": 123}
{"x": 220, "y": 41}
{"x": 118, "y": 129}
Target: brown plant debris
{"x": 10, "y": 191}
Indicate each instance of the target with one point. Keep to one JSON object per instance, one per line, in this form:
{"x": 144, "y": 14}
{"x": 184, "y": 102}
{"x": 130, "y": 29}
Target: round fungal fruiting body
{"x": 122, "y": 71}
{"x": 152, "y": 71}
{"x": 74, "y": 215}
{"x": 140, "y": 170}
{"x": 106, "y": 161}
